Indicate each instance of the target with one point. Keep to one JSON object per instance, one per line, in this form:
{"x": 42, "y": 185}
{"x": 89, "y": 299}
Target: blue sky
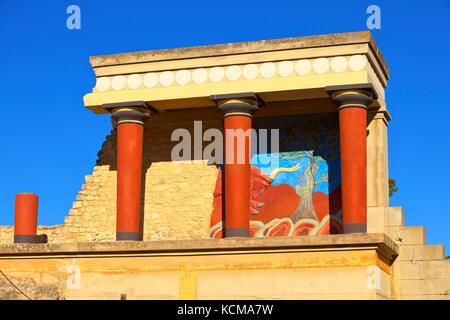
{"x": 49, "y": 142}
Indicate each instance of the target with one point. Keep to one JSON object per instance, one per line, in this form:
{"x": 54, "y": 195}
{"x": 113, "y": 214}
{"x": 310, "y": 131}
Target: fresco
{"x": 299, "y": 193}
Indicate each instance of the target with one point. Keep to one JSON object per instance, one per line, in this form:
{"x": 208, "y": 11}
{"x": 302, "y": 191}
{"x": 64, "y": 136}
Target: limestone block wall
{"x": 177, "y": 197}
{"x": 421, "y": 271}
{"x": 309, "y": 267}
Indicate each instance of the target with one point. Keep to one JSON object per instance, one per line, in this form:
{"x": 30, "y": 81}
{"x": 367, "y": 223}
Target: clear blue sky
{"x": 49, "y": 142}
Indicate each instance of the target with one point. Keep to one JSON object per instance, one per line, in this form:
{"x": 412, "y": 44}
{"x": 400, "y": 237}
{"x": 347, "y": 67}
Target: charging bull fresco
{"x": 299, "y": 193}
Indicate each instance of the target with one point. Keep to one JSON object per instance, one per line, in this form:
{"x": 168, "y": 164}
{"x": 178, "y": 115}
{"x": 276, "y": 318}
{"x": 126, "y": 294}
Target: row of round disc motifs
{"x": 252, "y": 71}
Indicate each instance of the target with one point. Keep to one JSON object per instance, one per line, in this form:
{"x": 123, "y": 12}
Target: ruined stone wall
{"x": 177, "y": 197}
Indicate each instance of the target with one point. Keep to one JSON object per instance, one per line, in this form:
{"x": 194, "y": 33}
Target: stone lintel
{"x": 276, "y": 70}
{"x": 305, "y": 42}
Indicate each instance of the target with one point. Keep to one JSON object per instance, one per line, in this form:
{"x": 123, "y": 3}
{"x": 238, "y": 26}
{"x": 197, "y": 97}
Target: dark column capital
{"x": 358, "y": 95}
{"x": 244, "y": 104}
{"x": 129, "y": 112}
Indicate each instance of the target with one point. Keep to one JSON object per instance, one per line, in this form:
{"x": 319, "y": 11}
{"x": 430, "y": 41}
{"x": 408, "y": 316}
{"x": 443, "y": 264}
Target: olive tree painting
{"x": 299, "y": 193}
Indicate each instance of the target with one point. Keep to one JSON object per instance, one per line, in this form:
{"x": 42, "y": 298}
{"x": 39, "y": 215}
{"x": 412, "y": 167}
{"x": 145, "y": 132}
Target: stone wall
{"x": 308, "y": 267}
{"x": 421, "y": 270}
{"x": 177, "y": 196}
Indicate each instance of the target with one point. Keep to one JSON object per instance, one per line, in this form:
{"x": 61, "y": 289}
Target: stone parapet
{"x": 327, "y": 267}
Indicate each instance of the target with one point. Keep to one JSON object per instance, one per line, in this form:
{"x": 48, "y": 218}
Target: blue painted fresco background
{"x": 303, "y": 139}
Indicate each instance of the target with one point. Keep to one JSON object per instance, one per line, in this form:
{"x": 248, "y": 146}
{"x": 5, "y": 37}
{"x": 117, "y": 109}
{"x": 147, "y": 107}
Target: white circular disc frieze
{"x": 166, "y": 78}
{"x": 199, "y": 75}
{"x": 357, "y": 62}
{"x": 118, "y": 82}
{"x": 338, "y": 64}
{"x": 250, "y": 71}
{"x": 268, "y": 70}
{"x": 285, "y": 68}
{"x": 216, "y": 74}
{"x": 183, "y": 77}
{"x": 321, "y": 65}
{"x": 233, "y": 73}
{"x": 103, "y": 84}
{"x": 303, "y": 67}
{"x": 134, "y": 81}
{"x": 150, "y": 80}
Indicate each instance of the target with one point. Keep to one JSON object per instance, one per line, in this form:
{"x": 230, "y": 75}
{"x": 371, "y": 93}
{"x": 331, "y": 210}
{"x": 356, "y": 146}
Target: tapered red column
{"x": 25, "y": 218}
{"x": 237, "y": 110}
{"x": 352, "y": 105}
{"x": 129, "y": 120}
{"x": 352, "y": 130}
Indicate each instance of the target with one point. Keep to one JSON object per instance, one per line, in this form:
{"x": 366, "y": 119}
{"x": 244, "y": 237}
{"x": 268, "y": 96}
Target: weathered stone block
{"x": 438, "y": 269}
{"x": 411, "y": 235}
{"x": 428, "y": 252}
{"x": 405, "y": 253}
{"x": 420, "y": 287}
{"x": 376, "y": 217}
{"x": 403, "y": 270}
{"x": 395, "y": 216}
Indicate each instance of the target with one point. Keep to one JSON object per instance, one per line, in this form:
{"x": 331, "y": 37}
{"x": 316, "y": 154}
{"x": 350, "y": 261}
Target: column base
{"x": 30, "y": 238}
{"x": 128, "y": 236}
{"x": 237, "y": 232}
{"x": 355, "y": 228}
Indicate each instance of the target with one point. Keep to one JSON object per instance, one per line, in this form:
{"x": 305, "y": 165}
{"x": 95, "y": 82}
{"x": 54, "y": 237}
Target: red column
{"x": 353, "y": 144}
{"x": 237, "y": 177}
{"x": 353, "y": 102}
{"x": 238, "y": 110}
{"x": 129, "y": 120}
{"x": 129, "y": 176}
{"x": 25, "y": 218}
